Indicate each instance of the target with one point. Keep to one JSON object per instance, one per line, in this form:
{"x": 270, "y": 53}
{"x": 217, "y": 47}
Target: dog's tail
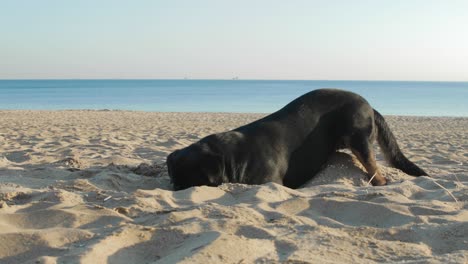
{"x": 390, "y": 149}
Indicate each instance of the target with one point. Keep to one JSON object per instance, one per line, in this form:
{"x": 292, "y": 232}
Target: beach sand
{"x": 92, "y": 187}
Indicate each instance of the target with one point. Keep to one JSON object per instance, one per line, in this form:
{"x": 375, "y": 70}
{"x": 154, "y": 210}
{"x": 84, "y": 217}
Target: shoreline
{"x": 195, "y": 112}
{"x": 91, "y": 186}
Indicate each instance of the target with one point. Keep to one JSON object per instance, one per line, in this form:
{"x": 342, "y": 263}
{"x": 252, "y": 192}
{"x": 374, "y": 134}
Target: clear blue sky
{"x": 252, "y": 39}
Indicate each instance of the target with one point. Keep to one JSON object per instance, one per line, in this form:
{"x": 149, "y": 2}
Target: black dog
{"x": 290, "y": 146}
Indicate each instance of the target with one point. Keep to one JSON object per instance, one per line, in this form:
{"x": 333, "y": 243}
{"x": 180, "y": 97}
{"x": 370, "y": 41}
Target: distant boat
{"x": 235, "y": 78}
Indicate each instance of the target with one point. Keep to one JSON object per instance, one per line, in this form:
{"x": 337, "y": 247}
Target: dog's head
{"x": 195, "y": 165}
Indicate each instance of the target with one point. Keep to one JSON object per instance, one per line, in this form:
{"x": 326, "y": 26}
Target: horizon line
{"x": 215, "y": 79}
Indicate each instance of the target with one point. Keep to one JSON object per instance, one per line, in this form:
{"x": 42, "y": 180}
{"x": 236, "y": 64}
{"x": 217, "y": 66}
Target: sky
{"x": 220, "y": 39}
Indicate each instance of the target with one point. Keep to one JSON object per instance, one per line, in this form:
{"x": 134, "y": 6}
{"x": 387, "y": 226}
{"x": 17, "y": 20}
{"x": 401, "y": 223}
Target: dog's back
{"x": 338, "y": 116}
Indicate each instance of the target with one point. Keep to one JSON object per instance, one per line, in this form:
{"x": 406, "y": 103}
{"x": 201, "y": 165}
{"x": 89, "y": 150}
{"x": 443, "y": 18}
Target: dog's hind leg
{"x": 362, "y": 149}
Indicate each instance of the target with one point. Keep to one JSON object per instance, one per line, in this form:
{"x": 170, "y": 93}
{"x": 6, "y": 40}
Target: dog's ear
{"x": 214, "y": 166}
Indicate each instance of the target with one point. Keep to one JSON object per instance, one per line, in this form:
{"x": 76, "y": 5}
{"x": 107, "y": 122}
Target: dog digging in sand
{"x": 291, "y": 145}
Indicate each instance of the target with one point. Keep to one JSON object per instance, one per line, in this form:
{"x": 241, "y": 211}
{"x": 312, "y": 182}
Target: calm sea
{"x": 389, "y": 97}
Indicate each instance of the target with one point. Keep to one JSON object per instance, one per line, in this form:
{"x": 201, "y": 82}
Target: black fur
{"x": 291, "y": 145}
{"x": 390, "y": 149}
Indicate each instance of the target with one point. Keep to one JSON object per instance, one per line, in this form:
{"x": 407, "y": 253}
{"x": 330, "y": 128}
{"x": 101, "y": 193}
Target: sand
{"x": 92, "y": 187}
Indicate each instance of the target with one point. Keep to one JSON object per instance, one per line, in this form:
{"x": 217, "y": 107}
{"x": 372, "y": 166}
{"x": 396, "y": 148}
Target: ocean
{"x": 240, "y": 96}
